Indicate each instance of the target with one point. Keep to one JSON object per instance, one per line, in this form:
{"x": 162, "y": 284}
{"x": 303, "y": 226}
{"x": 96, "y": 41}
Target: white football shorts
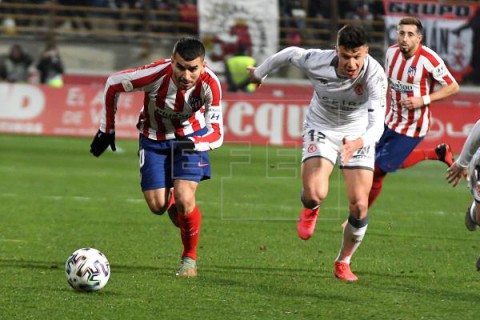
{"x": 326, "y": 144}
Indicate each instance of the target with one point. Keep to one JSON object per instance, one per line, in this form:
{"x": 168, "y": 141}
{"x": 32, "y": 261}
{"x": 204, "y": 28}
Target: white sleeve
{"x": 377, "y": 85}
{"x": 470, "y": 147}
{"x": 279, "y": 59}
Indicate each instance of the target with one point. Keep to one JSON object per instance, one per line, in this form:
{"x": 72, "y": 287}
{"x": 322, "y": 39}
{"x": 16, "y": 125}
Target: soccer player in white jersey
{"x": 343, "y": 122}
{"x": 468, "y": 163}
{"x": 180, "y": 121}
{"x": 412, "y": 70}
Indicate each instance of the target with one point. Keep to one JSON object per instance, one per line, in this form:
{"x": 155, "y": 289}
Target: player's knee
{"x": 186, "y": 207}
{"x": 311, "y": 200}
{"x": 359, "y": 208}
{"x": 157, "y": 207}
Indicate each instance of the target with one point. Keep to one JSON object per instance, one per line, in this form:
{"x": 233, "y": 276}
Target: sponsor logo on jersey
{"x": 440, "y": 71}
{"x": 400, "y": 86}
{"x": 127, "y": 85}
{"x": 341, "y": 104}
{"x": 170, "y": 114}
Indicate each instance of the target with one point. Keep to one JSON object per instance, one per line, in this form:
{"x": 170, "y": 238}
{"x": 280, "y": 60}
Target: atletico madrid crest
{"x": 195, "y": 103}
{"x": 411, "y": 71}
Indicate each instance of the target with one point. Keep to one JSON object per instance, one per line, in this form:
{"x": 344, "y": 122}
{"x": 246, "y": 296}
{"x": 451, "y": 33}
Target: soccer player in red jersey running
{"x": 180, "y": 121}
{"x": 412, "y": 70}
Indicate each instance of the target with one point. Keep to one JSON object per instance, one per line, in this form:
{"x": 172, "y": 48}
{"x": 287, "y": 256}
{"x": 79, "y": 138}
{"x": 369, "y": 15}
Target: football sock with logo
{"x": 353, "y": 234}
{"x": 190, "y": 232}
{"x": 377, "y": 185}
{"x": 419, "y": 155}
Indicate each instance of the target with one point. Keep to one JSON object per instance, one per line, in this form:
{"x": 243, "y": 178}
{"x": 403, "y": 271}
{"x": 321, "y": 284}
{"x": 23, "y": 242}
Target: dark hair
{"x": 412, "y": 21}
{"x": 351, "y": 36}
{"x": 189, "y": 48}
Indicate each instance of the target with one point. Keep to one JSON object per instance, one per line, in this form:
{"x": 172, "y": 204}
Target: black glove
{"x": 101, "y": 141}
{"x": 184, "y": 144}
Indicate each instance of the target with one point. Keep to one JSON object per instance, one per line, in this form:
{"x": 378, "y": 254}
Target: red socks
{"x": 378, "y": 177}
{"x": 419, "y": 155}
{"x": 190, "y": 232}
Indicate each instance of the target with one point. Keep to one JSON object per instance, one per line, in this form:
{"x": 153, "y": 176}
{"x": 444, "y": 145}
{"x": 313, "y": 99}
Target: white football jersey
{"x": 470, "y": 156}
{"x": 355, "y": 107}
{"x": 470, "y": 147}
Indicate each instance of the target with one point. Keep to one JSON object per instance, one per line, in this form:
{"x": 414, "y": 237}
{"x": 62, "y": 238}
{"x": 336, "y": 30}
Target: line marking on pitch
{"x": 12, "y": 240}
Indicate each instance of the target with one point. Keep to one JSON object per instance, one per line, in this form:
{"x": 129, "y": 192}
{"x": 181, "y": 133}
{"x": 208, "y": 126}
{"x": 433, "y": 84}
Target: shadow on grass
{"x": 46, "y": 265}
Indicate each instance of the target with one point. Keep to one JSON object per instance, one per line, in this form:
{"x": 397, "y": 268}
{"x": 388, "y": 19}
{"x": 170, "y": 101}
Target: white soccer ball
{"x": 87, "y": 269}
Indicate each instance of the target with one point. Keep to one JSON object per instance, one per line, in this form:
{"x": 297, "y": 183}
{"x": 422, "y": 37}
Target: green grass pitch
{"x": 417, "y": 260}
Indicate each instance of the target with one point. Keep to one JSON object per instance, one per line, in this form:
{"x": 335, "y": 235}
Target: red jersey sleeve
{"x": 213, "y": 114}
{"x": 128, "y": 81}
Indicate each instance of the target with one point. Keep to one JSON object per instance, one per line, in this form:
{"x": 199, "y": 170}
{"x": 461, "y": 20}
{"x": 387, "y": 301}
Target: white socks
{"x": 352, "y": 238}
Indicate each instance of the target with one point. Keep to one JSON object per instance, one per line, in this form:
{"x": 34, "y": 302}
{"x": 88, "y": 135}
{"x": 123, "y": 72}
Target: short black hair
{"x": 412, "y": 21}
{"x": 351, "y": 36}
{"x": 189, "y": 48}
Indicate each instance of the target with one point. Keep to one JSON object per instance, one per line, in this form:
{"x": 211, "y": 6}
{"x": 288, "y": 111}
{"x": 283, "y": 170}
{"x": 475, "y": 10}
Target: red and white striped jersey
{"x": 414, "y": 77}
{"x": 166, "y": 110}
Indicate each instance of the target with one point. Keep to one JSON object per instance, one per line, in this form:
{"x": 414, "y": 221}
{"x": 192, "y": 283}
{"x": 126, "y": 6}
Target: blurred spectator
{"x": 241, "y": 38}
{"x": 37, "y": 12}
{"x": 236, "y": 72}
{"x": 361, "y": 12}
{"x": 241, "y": 31}
{"x": 292, "y": 18}
{"x": 319, "y": 14}
{"x": 50, "y": 67}
{"x": 187, "y": 11}
{"x": 345, "y": 8}
{"x": 14, "y": 67}
{"x": 79, "y": 18}
{"x": 164, "y": 19}
{"x": 378, "y": 11}
{"x": 127, "y": 11}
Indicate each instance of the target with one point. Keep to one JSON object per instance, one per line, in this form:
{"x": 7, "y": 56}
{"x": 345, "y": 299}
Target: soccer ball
{"x": 87, "y": 269}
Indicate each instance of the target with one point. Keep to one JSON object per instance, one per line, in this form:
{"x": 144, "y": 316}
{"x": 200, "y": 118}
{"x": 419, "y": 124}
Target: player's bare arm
{"x": 251, "y": 75}
{"x": 455, "y": 174}
{"x": 348, "y": 149}
{"x": 418, "y": 102}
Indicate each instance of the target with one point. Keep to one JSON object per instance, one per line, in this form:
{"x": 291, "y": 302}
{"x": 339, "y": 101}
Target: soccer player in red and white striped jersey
{"x": 412, "y": 71}
{"x": 180, "y": 121}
